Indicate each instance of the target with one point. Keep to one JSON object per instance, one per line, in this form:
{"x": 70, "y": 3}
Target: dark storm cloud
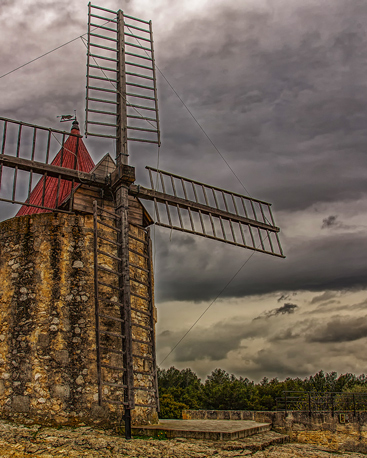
{"x": 205, "y": 344}
{"x": 212, "y": 349}
{"x": 302, "y": 359}
{"x": 269, "y": 364}
{"x": 291, "y": 347}
{"x": 284, "y": 297}
{"x": 330, "y": 221}
{"x": 287, "y": 308}
{"x": 213, "y": 343}
{"x": 334, "y": 306}
{"x": 340, "y": 329}
{"x": 337, "y": 329}
{"x": 285, "y": 98}
{"x": 334, "y": 263}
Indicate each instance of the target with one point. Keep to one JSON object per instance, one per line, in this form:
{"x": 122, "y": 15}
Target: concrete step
{"x": 256, "y": 442}
{"x": 203, "y": 429}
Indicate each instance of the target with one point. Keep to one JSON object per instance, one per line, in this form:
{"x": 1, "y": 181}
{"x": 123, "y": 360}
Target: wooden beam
{"x": 150, "y": 194}
{"x": 52, "y": 170}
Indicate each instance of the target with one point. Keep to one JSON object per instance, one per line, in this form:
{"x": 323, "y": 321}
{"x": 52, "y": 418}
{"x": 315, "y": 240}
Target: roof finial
{"x": 75, "y": 124}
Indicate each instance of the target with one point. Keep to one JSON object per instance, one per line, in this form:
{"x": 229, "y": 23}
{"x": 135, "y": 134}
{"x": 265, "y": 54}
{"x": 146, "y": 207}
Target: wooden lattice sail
{"x": 51, "y": 192}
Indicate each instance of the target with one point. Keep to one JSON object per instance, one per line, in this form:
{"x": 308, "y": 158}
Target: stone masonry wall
{"x": 290, "y": 422}
{"x": 346, "y": 432}
{"x": 48, "y": 371}
{"x": 143, "y": 363}
{"x": 47, "y": 368}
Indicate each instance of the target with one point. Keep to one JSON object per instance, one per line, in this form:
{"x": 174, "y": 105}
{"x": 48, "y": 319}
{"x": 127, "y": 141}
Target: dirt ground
{"x": 20, "y": 441}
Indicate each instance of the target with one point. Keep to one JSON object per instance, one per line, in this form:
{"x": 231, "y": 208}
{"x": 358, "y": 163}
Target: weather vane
{"x": 66, "y": 118}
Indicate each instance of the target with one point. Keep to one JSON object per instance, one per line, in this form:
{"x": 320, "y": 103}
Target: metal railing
{"x": 330, "y": 401}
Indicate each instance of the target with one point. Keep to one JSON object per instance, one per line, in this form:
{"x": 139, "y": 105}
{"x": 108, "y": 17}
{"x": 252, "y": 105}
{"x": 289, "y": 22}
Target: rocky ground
{"x": 34, "y": 441}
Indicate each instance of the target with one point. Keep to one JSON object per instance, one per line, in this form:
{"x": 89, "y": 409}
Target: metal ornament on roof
{"x": 123, "y": 71}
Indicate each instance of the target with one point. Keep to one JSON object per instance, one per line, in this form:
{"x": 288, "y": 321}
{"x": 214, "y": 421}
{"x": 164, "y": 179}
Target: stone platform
{"x": 203, "y": 429}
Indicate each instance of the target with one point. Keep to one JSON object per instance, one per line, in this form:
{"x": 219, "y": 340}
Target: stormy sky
{"x": 280, "y": 87}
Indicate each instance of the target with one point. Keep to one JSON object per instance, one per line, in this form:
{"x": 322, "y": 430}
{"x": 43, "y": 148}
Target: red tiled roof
{"x": 84, "y": 163}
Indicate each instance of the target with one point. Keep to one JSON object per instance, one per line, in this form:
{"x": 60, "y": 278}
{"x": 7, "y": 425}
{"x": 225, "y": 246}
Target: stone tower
{"x": 48, "y": 344}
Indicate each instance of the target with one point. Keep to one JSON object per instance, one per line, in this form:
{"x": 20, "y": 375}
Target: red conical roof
{"x": 71, "y": 159}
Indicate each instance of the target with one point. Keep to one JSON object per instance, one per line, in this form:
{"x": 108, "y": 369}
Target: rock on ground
{"x": 20, "y": 441}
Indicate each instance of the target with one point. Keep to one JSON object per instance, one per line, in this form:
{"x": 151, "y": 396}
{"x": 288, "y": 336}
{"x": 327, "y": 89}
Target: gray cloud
{"x": 323, "y": 297}
{"x": 335, "y": 263}
{"x": 333, "y": 222}
{"x": 213, "y": 343}
{"x": 330, "y": 221}
{"x": 307, "y": 105}
{"x": 266, "y": 362}
{"x": 288, "y": 346}
{"x": 340, "y": 329}
{"x": 337, "y": 329}
{"x": 284, "y": 297}
{"x": 285, "y": 309}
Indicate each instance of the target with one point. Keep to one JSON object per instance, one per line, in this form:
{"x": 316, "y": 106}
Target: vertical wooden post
{"x": 121, "y": 129}
{"x": 152, "y": 321}
{"x": 121, "y": 198}
{"x": 285, "y": 402}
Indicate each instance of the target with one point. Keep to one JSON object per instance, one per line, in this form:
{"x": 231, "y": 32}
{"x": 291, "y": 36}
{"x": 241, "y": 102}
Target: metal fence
{"x": 330, "y": 401}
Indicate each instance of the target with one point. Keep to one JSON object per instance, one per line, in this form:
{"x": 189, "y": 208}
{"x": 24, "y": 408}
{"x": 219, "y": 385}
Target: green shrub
{"x": 171, "y": 408}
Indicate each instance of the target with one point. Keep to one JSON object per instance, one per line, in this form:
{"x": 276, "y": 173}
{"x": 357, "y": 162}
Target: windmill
{"x": 122, "y": 106}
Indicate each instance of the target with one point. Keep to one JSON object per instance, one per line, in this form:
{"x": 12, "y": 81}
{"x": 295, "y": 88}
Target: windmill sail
{"x": 121, "y": 96}
{"x": 51, "y": 190}
{"x": 197, "y": 208}
{"x": 31, "y": 176}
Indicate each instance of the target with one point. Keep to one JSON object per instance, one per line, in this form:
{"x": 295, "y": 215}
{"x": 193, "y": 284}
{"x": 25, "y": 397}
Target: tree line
{"x": 183, "y": 389}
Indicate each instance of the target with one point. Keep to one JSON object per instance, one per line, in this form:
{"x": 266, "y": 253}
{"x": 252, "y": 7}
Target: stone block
{"x": 62, "y": 357}
{"x": 25, "y": 371}
{"x": 21, "y": 403}
{"x": 99, "y": 412}
{"x": 43, "y": 340}
{"x": 61, "y": 391}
